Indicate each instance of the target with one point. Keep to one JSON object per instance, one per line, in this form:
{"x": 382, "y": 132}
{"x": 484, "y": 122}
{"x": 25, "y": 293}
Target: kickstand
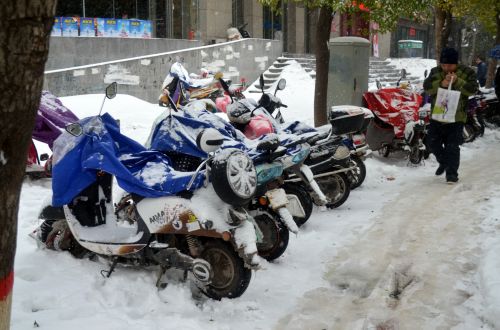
{"x": 107, "y": 273}
{"x": 160, "y": 285}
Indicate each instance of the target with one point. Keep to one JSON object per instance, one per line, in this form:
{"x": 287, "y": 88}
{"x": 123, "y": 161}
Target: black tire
{"x": 234, "y": 171}
{"x": 386, "y": 151}
{"x": 358, "y": 175}
{"x": 336, "y": 188}
{"x": 275, "y": 236}
{"x": 416, "y": 155}
{"x": 304, "y": 198}
{"x": 468, "y": 133}
{"x": 230, "y": 276}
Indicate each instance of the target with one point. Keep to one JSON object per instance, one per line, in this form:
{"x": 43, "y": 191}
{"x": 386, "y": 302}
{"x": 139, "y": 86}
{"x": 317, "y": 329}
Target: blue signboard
{"x": 69, "y": 26}
{"x": 87, "y": 27}
{"x": 136, "y": 28}
{"x": 122, "y": 27}
{"x": 56, "y": 28}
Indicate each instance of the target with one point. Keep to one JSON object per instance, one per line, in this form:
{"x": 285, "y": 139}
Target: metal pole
{"x": 114, "y": 16}
{"x": 136, "y": 10}
{"x": 83, "y": 5}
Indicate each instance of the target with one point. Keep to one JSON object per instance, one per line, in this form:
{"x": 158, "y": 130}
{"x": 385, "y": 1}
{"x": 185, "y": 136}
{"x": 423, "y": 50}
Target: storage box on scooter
{"x": 346, "y": 119}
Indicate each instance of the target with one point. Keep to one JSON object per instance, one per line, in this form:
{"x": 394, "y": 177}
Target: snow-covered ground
{"x": 406, "y": 251}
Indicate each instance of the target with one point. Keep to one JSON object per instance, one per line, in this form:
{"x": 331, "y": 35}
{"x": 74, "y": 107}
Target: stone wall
{"x": 142, "y": 76}
{"x": 66, "y": 52}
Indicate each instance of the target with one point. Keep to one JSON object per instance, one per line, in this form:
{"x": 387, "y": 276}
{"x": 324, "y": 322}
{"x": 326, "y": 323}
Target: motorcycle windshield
{"x": 51, "y": 118}
{"x": 101, "y": 147}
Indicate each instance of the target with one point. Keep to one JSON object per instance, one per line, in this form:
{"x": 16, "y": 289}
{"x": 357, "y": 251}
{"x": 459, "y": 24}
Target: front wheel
{"x": 358, "y": 175}
{"x": 234, "y": 177}
{"x": 416, "y": 155}
{"x": 336, "y": 188}
{"x": 274, "y": 236}
{"x": 230, "y": 276}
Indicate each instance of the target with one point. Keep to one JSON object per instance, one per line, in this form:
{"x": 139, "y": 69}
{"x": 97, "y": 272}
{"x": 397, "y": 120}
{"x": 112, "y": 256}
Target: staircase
{"x": 380, "y": 70}
{"x": 388, "y": 74}
{"x": 273, "y": 73}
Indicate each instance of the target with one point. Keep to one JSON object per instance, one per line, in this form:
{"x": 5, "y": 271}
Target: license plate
{"x": 277, "y": 198}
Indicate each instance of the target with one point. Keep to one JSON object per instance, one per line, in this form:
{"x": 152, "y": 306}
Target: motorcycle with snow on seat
{"x": 328, "y": 160}
{"x": 167, "y": 218}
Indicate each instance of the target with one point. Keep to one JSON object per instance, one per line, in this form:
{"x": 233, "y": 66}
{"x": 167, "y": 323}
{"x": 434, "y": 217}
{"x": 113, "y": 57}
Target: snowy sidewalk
{"x": 417, "y": 266}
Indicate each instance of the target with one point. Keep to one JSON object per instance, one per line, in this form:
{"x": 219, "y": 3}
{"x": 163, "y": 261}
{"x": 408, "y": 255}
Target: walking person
{"x": 445, "y": 138}
{"x": 482, "y": 69}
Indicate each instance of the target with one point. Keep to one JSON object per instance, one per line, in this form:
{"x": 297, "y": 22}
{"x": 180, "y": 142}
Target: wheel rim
{"x": 241, "y": 174}
{"x": 333, "y": 187}
{"x": 222, "y": 267}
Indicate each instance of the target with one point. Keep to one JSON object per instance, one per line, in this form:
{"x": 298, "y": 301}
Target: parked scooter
{"x": 399, "y": 123}
{"x": 474, "y": 125}
{"x": 270, "y": 206}
{"x": 169, "y": 219}
{"x": 51, "y": 118}
{"x": 328, "y": 159}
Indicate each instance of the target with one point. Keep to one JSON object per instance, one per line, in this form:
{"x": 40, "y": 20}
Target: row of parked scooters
{"x": 207, "y": 196}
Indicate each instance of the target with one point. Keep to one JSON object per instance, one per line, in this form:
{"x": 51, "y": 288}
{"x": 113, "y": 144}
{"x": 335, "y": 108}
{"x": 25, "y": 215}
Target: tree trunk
{"x": 442, "y": 29}
{"x": 24, "y": 42}
{"x": 492, "y": 63}
{"x": 322, "y": 60}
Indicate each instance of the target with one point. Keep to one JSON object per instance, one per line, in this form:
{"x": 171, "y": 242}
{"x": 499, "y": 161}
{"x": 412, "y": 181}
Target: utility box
{"x": 410, "y": 48}
{"x": 348, "y": 71}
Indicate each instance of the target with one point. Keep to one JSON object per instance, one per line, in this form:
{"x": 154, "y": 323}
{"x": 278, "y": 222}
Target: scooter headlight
{"x": 341, "y": 153}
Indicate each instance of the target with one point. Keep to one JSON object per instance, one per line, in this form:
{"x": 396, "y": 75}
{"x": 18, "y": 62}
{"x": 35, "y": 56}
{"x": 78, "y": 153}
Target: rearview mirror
{"x": 44, "y": 157}
{"x": 74, "y": 129}
{"x": 111, "y": 90}
{"x": 281, "y": 84}
{"x": 426, "y": 73}
{"x": 261, "y": 82}
{"x": 209, "y": 140}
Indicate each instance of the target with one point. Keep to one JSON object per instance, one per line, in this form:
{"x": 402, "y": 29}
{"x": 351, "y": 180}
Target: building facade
{"x": 208, "y": 21}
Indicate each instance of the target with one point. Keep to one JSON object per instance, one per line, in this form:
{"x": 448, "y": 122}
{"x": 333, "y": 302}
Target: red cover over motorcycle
{"x": 394, "y": 106}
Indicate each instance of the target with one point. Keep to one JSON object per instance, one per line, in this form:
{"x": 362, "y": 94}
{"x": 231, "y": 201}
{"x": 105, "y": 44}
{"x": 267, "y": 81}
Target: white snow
{"x": 403, "y": 229}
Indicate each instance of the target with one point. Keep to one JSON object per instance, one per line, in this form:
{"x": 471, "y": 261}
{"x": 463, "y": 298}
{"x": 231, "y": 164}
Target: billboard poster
{"x": 122, "y": 28}
{"x": 136, "y": 28}
{"x": 70, "y": 26}
{"x": 110, "y": 27}
{"x": 87, "y": 27}
{"x": 56, "y": 28}
{"x": 148, "y": 29}
{"x": 100, "y": 27}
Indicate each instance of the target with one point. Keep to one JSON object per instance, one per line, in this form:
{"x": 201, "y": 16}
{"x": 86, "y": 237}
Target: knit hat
{"x": 449, "y": 56}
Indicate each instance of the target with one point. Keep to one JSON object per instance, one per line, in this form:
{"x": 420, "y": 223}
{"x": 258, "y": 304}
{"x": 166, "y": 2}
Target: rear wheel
{"x": 305, "y": 200}
{"x": 336, "y": 188}
{"x": 358, "y": 175}
{"x": 230, "y": 276}
{"x": 275, "y": 236}
{"x": 468, "y": 133}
